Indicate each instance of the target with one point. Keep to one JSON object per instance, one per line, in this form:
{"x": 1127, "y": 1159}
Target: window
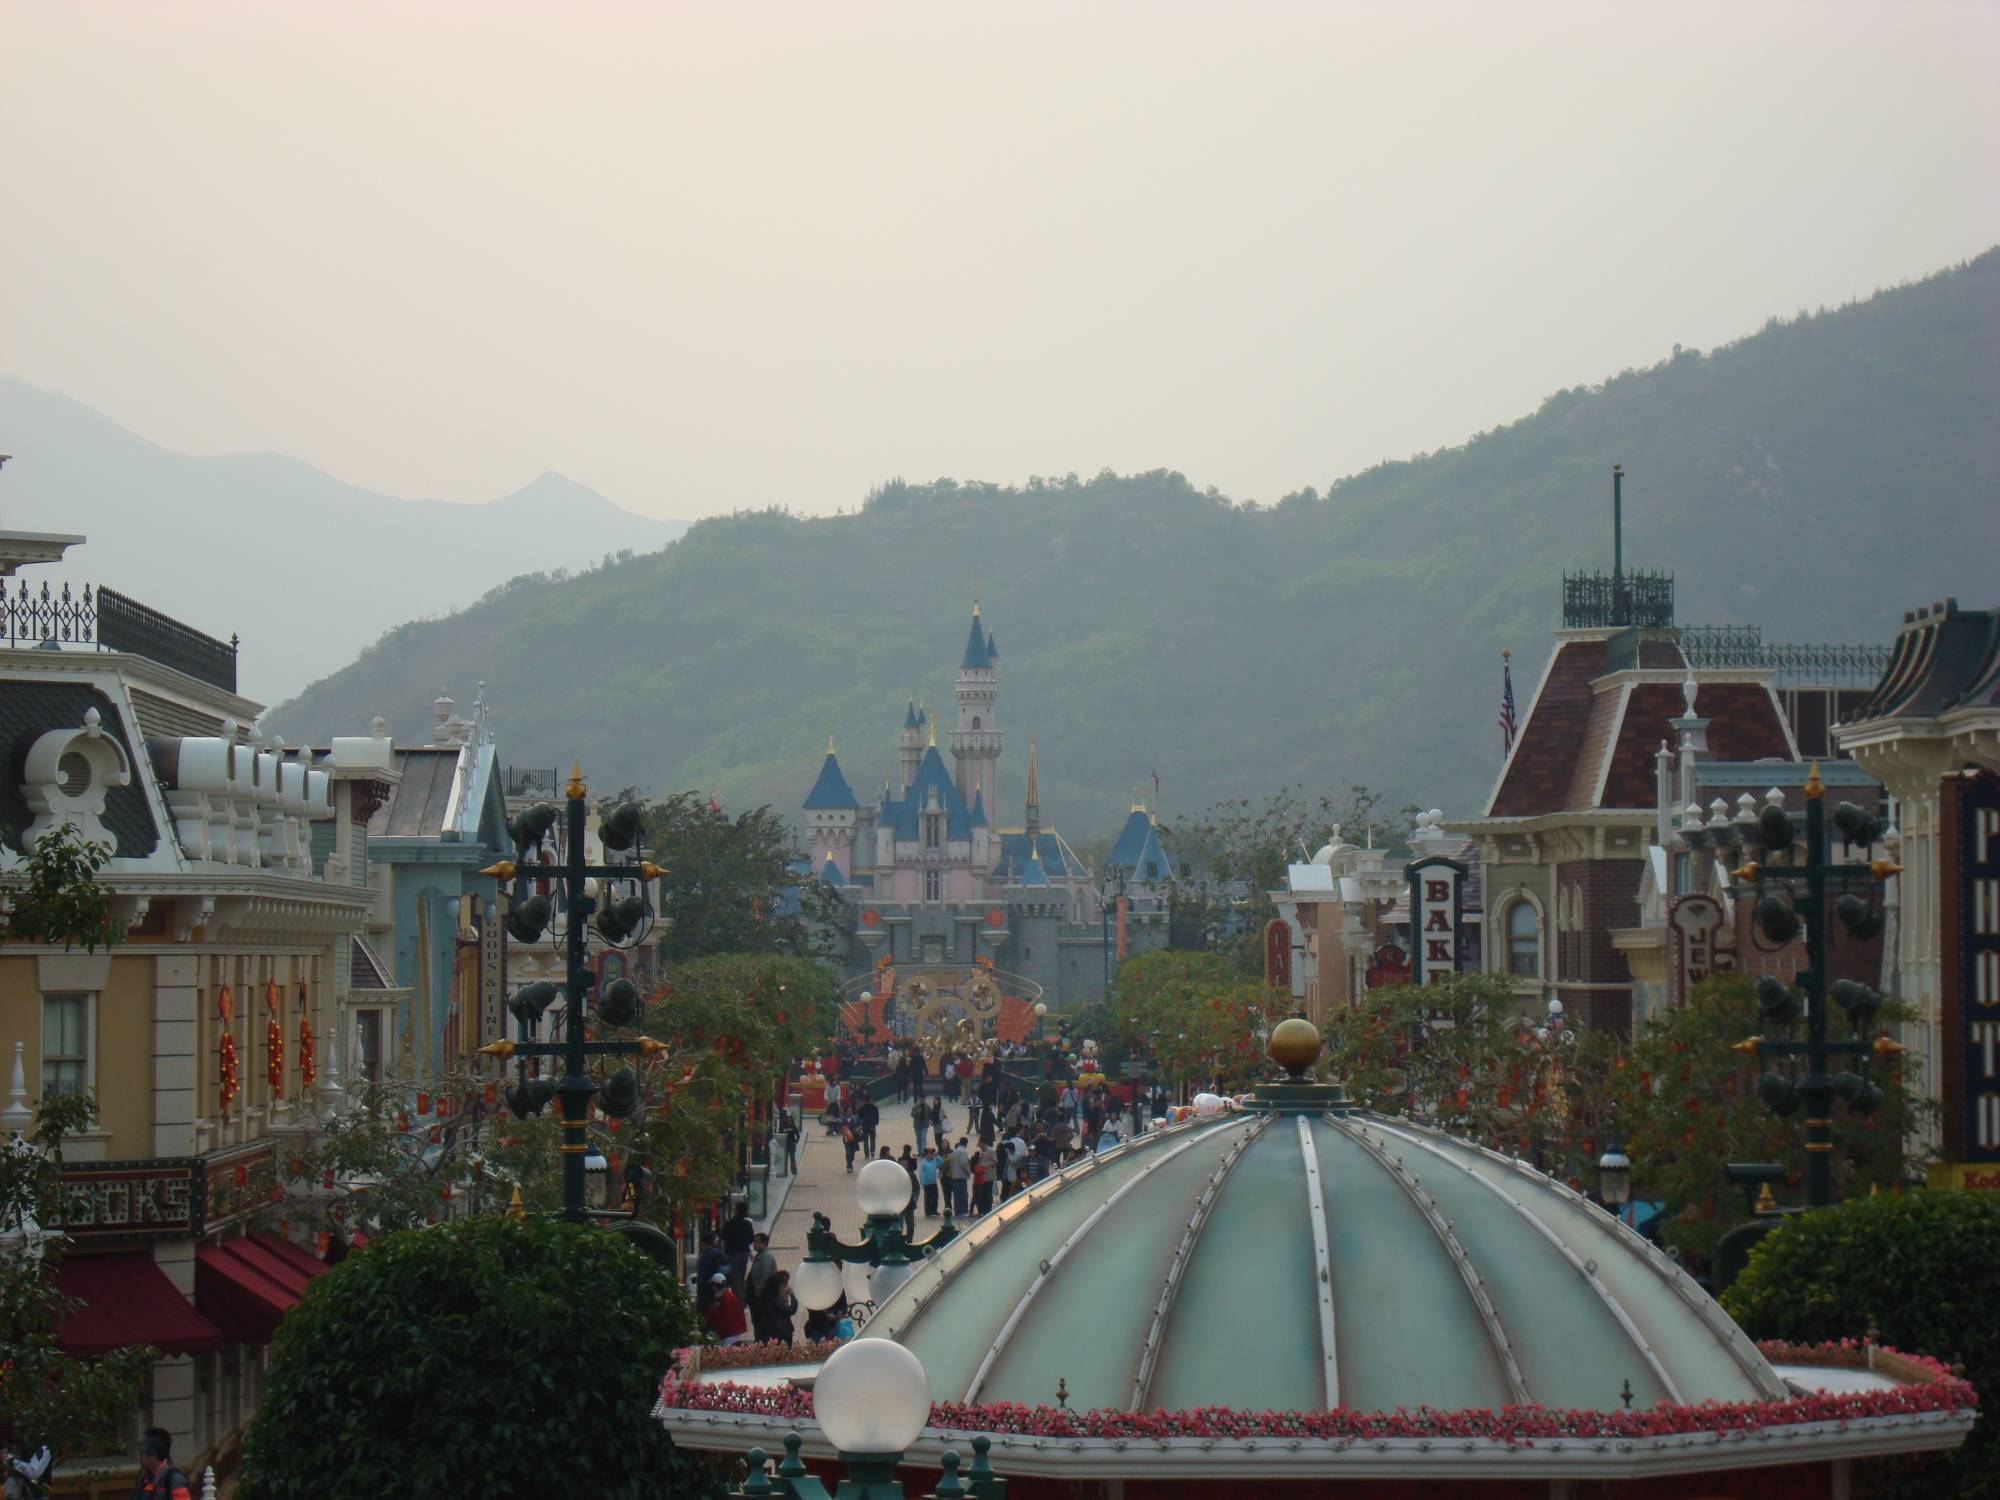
{"x": 933, "y": 830}
{"x": 934, "y": 885}
{"x": 975, "y": 721}
{"x": 368, "y": 1043}
{"x": 65, "y": 1044}
{"x": 1524, "y": 940}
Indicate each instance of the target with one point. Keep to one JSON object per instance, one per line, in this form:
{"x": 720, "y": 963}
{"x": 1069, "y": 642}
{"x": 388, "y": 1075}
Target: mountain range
{"x": 1815, "y": 478}
{"x": 306, "y": 569}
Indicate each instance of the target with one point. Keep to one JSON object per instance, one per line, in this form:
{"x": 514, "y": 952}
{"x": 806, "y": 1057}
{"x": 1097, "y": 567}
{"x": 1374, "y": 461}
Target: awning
{"x": 126, "y": 1299}
{"x": 247, "y": 1285}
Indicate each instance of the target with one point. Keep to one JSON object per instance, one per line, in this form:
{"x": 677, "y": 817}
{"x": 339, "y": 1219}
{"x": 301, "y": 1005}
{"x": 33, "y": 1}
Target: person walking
{"x": 724, "y": 1315}
{"x": 763, "y": 1265}
{"x": 908, "y": 1162}
{"x": 937, "y": 1123}
{"x": 791, "y": 1146}
{"x": 850, "y": 1139}
{"x": 772, "y": 1313}
{"x": 961, "y": 1179}
{"x": 739, "y": 1236}
{"x": 917, "y": 1071}
{"x": 984, "y": 1164}
{"x": 927, "y": 1179}
{"x": 1069, "y": 1103}
{"x": 157, "y": 1475}
{"x": 871, "y": 1120}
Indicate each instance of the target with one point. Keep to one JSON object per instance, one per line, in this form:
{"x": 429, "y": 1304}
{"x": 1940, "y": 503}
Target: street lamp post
{"x": 1110, "y": 891}
{"x": 872, "y": 1400}
{"x": 869, "y": 1271}
{"x": 1780, "y": 915}
{"x": 577, "y": 1088}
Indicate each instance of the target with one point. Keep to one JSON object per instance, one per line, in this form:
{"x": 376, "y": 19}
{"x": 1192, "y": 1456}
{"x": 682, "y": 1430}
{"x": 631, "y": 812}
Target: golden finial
{"x": 975, "y": 601}
{"x": 1815, "y": 788}
{"x": 931, "y": 720}
{"x": 1766, "y": 1204}
{"x": 517, "y": 1211}
{"x": 576, "y": 788}
{"x": 829, "y": 742}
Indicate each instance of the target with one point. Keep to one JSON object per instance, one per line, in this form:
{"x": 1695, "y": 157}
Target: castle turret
{"x": 975, "y": 743}
{"x": 910, "y": 743}
{"x": 831, "y": 810}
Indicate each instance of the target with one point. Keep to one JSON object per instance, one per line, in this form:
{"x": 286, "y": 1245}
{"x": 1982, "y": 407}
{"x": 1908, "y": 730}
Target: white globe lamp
{"x": 885, "y": 1278}
{"x": 818, "y": 1284}
{"x": 854, "y": 1281}
{"x": 882, "y": 1189}
{"x": 872, "y": 1397}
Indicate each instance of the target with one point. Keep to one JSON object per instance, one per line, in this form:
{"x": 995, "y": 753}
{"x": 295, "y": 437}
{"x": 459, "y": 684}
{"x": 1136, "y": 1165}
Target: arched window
{"x": 975, "y": 721}
{"x": 1524, "y": 940}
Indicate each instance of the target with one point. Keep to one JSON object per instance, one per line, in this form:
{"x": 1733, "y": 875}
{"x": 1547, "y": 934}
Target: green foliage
{"x": 55, "y": 896}
{"x": 75, "y": 1406}
{"x": 1463, "y": 1054}
{"x": 739, "y": 647}
{"x": 726, "y": 879}
{"x": 1196, "y": 1018}
{"x": 480, "y": 1354}
{"x": 1918, "y": 1270}
{"x": 1687, "y": 1100}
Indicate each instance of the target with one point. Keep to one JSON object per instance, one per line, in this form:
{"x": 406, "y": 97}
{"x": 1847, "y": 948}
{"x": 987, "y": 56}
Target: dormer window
{"x": 933, "y": 830}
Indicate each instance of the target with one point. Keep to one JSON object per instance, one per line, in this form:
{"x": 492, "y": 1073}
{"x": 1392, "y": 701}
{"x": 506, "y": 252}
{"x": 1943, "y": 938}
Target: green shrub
{"x": 1917, "y": 1268}
{"x": 480, "y": 1355}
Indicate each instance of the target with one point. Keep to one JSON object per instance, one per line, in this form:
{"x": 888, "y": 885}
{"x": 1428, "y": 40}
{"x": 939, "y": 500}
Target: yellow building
{"x": 207, "y": 1032}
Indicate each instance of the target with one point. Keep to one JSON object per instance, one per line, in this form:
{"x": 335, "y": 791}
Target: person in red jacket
{"x": 725, "y": 1317}
{"x": 157, "y": 1474}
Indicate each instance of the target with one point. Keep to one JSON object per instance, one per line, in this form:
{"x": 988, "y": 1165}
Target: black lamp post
{"x": 618, "y": 922}
{"x": 885, "y": 1251}
{"x": 1780, "y": 914}
{"x": 1614, "y": 1179}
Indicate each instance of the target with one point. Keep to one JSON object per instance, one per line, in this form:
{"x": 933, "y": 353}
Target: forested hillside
{"x": 1816, "y": 479}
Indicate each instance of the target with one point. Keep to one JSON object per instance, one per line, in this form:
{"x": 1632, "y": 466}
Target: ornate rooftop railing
{"x": 1744, "y": 646}
{"x": 1605, "y": 601}
{"x": 53, "y": 619}
{"x": 531, "y": 781}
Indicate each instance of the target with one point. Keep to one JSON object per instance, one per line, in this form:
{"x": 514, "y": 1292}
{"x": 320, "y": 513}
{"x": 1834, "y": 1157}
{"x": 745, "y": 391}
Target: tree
{"x": 484, "y": 1352}
{"x": 74, "y": 1406}
{"x": 55, "y": 896}
{"x": 1463, "y": 1055}
{"x": 1687, "y": 1101}
{"x": 1915, "y": 1270}
{"x": 1195, "y": 1017}
{"x": 729, "y": 880}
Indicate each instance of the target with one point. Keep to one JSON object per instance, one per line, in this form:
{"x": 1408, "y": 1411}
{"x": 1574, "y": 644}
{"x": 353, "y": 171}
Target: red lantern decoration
{"x": 490, "y": 1094}
{"x": 274, "y": 1042}
{"x": 423, "y": 1103}
{"x": 1503, "y": 1095}
{"x": 241, "y": 1175}
{"x": 308, "y": 1063}
{"x": 322, "y": 1243}
{"x": 225, "y": 1063}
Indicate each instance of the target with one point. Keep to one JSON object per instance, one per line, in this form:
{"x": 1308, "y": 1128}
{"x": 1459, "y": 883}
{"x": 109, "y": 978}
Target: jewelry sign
{"x": 1696, "y": 923}
{"x": 1434, "y": 917}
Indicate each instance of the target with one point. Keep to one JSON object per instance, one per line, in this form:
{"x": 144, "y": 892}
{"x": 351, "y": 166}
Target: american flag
{"x": 1509, "y": 725}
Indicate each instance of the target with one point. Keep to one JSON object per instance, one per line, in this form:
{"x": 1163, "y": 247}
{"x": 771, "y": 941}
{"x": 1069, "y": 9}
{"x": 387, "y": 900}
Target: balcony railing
{"x": 1723, "y": 646}
{"x": 1606, "y": 601}
{"x": 50, "y": 619}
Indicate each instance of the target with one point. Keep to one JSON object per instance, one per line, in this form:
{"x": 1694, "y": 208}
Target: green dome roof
{"x": 1298, "y": 1261}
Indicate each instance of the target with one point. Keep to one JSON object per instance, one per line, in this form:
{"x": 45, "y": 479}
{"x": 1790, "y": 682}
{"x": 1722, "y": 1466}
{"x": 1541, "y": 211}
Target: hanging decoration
{"x": 225, "y": 1064}
{"x": 274, "y": 1041}
{"x": 308, "y": 1060}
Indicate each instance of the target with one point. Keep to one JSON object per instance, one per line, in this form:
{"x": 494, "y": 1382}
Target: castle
{"x": 935, "y": 883}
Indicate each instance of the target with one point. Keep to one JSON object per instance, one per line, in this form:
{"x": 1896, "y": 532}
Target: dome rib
{"x": 1323, "y": 1259}
{"x": 1142, "y": 1382}
{"x": 1616, "y": 1308}
{"x": 1489, "y": 1316}
{"x": 1077, "y": 1237}
{"x": 1704, "y": 1307}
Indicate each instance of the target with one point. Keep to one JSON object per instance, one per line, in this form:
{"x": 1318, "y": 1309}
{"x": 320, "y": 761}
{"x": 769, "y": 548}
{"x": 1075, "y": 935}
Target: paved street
{"x": 823, "y": 1185}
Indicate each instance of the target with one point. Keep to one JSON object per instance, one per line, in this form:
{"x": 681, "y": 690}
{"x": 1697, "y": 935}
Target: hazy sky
{"x": 710, "y": 256}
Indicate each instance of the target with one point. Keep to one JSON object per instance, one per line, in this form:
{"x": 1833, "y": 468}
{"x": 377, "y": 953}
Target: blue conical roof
{"x": 933, "y": 777}
{"x": 978, "y": 809}
{"x": 1032, "y": 872}
{"x": 910, "y": 718}
{"x": 831, "y": 792}
{"x": 977, "y": 654}
{"x": 830, "y": 874}
{"x": 1138, "y": 849}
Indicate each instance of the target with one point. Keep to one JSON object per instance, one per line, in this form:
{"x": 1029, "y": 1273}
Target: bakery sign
{"x": 1434, "y": 917}
{"x": 130, "y": 1199}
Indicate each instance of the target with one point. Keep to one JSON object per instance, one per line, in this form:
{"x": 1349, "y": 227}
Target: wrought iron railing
{"x": 1605, "y": 601}
{"x": 112, "y": 621}
{"x": 530, "y": 781}
{"x": 1744, "y": 646}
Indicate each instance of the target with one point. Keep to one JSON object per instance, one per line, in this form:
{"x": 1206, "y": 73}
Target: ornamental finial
{"x": 575, "y": 790}
{"x": 1815, "y": 788}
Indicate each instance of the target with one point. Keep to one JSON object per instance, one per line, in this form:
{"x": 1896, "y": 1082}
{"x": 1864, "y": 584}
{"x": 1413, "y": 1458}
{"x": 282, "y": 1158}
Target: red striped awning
{"x": 126, "y": 1299}
{"x": 247, "y": 1285}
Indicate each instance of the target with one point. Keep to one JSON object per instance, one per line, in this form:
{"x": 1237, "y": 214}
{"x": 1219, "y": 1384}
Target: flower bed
{"x": 690, "y": 1362}
{"x": 1934, "y": 1389}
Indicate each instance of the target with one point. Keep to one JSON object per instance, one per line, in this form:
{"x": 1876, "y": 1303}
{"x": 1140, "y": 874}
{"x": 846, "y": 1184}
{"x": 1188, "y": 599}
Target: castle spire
{"x": 1034, "y": 801}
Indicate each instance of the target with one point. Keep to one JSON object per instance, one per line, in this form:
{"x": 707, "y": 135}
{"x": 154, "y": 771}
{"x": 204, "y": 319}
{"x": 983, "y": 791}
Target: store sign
{"x": 1434, "y": 917}
{"x": 1971, "y": 992}
{"x": 492, "y": 998}
{"x": 1389, "y": 965}
{"x": 130, "y": 1200}
{"x": 1695, "y": 920}
{"x": 233, "y": 1183}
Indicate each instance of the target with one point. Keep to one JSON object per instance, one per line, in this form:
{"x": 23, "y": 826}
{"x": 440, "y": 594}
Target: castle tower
{"x": 975, "y": 743}
{"x": 910, "y": 743}
{"x": 831, "y": 813}
{"x": 1034, "y": 809}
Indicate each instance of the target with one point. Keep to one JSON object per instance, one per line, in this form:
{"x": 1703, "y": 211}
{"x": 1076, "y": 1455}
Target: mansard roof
{"x": 932, "y": 777}
{"x": 1138, "y": 848}
{"x": 1590, "y": 734}
{"x": 1944, "y": 659}
{"x": 831, "y": 792}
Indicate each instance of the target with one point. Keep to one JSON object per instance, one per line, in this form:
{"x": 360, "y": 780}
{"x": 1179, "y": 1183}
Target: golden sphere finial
{"x": 1295, "y": 1045}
